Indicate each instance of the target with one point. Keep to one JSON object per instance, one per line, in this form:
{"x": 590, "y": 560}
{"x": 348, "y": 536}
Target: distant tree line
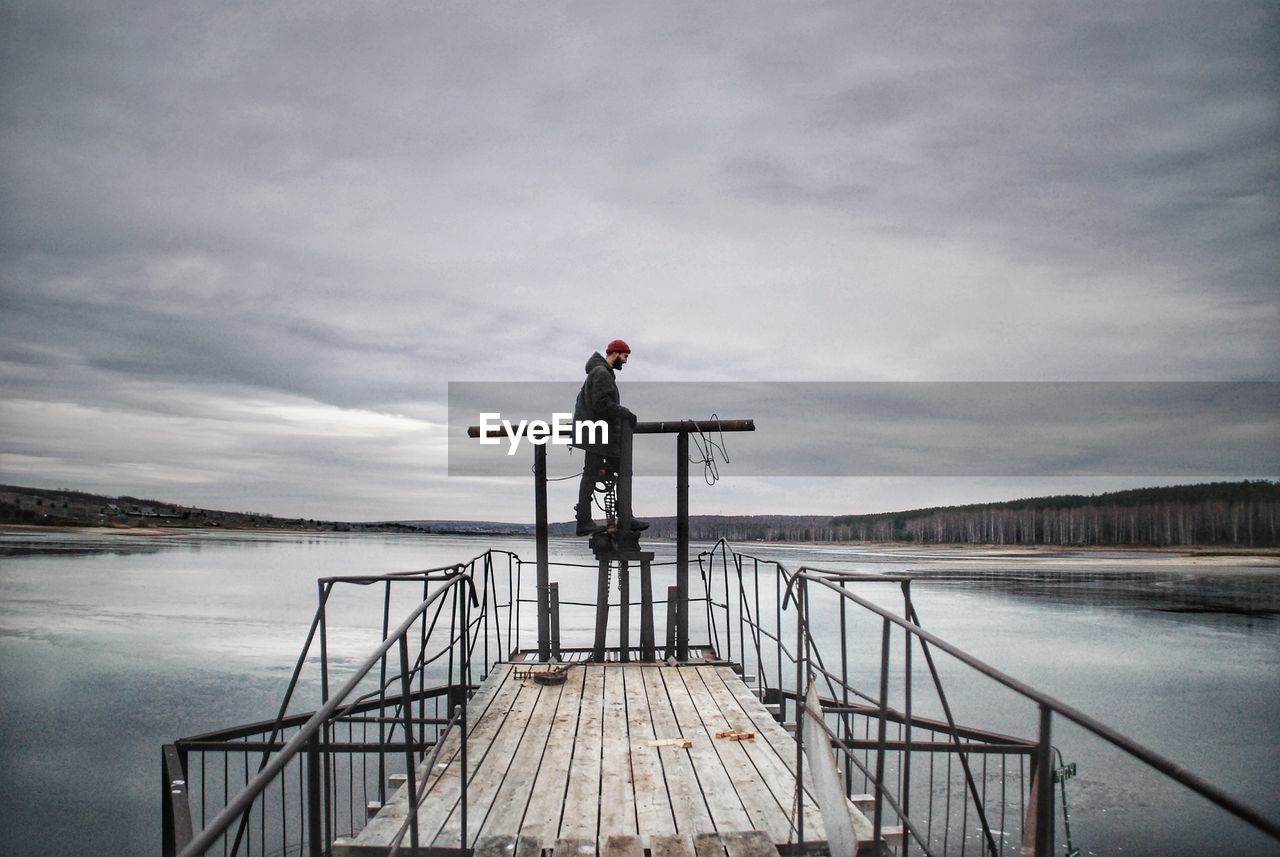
{"x": 735, "y": 528}
{"x": 1218, "y": 513}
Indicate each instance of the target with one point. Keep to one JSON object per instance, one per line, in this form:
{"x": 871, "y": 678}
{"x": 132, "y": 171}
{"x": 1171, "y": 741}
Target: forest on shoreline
{"x": 1242, "y": 514}
{"x": 1219, "y": 514}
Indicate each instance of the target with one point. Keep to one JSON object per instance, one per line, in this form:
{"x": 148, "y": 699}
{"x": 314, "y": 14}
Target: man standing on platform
{"x": 599, "y": 400}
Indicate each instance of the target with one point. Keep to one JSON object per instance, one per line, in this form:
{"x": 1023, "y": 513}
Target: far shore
{"x": 1200, "y": 555}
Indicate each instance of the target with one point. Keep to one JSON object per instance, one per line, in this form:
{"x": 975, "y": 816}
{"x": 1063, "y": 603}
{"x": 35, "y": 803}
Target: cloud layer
{"x": 245, "y": 248}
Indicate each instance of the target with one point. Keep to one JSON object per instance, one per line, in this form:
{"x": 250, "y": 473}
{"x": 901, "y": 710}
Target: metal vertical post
{"x": 846, "y": 719}
{"x": 624, "y": 477}
{"x": 1044, "y": 796}
{"x": 682, "y": 545}
{"x": 410, "y": 767}
{"x": 324, "y": 695}
{"x": 905, "y": 798}
{"x": 464, "y": 667}
{"x": 624, "y": 610}
{"x": 646, "y": 611}
{"x": 175, "y": 815}
{"x": 802, "y": 693}
{"x": 554, "y": 589}
{"x": 382, "y": 697}
{"x": 314, "y": 843}
{"x": 540, "y": 506}
{"x": 602, "y": 610}
{"x": 881, "y": 737}
{"x": 672, "y": 596}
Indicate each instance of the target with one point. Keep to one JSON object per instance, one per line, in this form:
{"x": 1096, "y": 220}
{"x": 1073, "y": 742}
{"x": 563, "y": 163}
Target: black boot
{"x": 586, "y": 526}
{"x": 639, "y": 526}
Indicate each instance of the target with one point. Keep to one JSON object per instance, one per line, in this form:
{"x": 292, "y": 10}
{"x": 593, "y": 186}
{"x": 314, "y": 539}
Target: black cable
{"x": 707, "y": 451}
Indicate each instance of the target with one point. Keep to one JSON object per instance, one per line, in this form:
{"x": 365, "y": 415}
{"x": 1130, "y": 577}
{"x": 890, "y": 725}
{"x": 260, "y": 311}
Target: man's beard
{"x": 617, "y": 365}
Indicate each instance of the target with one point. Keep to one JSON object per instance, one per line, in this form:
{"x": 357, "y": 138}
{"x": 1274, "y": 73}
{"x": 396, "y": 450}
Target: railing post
{"x": 554, "y": 589}
{"x": 464, "y": 664}
{"x": 880, "y": 732}
{"x": 802, "y": 689}
{"x": 905, "y": 797}
{"x": 540, "y": 507}
{"x": 846, "y": 719}
{"x": 315, "y": 843}
{"x": 682, "y": 545}
{"x": 624, "y": 610}
{"x": 175, "y": 809}
{"x": 602, "y": 610}
{"x": 673, "y": 595}
{"x": 382, "y": 697}
{"x": 646, "y": 611}
{"x": 1044, "y": 780}
{"x": 410, "y": 764}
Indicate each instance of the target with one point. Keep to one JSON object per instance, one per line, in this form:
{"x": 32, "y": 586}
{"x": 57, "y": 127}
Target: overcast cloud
{"x": 245, "y": 247}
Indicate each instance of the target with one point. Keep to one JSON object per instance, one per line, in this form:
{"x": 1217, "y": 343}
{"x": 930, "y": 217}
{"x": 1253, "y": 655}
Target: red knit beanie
{"x": 617, "y": 345}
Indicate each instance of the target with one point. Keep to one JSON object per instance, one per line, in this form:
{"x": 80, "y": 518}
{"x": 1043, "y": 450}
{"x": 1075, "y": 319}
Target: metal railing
{"x": 302, "y": 792}
{"x": 296, "y": 782}
{"x": 923, "y": 780}
{"x": 974, "y": 787}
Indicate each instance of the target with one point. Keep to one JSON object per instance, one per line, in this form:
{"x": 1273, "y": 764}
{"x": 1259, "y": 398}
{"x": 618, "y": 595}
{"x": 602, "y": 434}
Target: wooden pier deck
{"x": 598, "y": 765}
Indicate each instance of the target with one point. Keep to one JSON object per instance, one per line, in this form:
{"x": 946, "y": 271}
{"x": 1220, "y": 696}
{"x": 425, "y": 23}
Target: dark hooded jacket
{"x": 598, "y": 400}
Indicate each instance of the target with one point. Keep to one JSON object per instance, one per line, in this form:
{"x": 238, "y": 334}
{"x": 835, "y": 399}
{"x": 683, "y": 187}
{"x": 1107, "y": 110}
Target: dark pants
{"x": 596, "y": 468}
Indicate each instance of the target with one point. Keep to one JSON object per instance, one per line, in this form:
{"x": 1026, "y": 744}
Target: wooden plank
{"x": 688, "y": 807}
{"x": 509, "y": 804}
{"x": 495, "y": 846}
{"x": 617, "y": 799}
{"x": 680, "y": 845}
{"x": 653, "y": 807}
{"x": 485, "y": 712}
{"x": 708, "y": 845}
{"x": 541, "y": 820}
{"x": 770, "y": 765}
{"x": 681, "y": 743}
{"x": 621, "y": 846}
{"x": 748, "y": 843}
{"x": 582, "y": 797}
{"x": 527, "y": 846}
{"x": 763, "y": 808}
{"x": 487, "y": 768}
{"x": 575, "y": 846}
{"x": 783, "y": 744}
{"x": 727, "y": 810}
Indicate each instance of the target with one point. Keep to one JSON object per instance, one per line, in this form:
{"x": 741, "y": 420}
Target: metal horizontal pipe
{"x": 936, "y": 747}
{"x": 895, "y": 716}
{"x": 277, "y": 746}
{"x": 677, "y": 426}
{"x": 662, "y": 427}
{"x": 261, "y": 727}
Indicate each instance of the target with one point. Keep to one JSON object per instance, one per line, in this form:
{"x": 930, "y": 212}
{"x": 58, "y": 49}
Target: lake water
{"x": 111, "y": 646}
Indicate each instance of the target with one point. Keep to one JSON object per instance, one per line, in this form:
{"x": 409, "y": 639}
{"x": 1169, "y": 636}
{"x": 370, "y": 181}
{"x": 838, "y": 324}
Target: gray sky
{"x": 245, "y": 247}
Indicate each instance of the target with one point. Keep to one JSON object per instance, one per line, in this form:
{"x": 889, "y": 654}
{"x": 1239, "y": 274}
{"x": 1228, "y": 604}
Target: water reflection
{"x": 1233, "y": 591}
